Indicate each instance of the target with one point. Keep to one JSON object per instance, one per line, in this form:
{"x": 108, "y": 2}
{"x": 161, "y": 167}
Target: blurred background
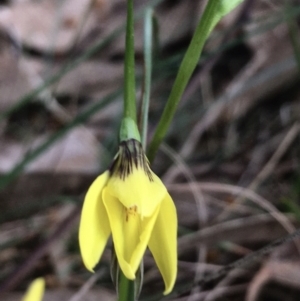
{"x": 230, "y": 160}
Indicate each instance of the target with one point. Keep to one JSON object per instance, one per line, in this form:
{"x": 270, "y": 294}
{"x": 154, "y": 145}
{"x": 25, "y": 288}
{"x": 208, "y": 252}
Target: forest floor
{"x": 231, "y": 159}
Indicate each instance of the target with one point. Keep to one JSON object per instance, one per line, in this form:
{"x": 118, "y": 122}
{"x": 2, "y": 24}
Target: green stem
{"x": 126, "y": 289}
{"x": 129, "y": 128}
{"x": 129, "y": 74}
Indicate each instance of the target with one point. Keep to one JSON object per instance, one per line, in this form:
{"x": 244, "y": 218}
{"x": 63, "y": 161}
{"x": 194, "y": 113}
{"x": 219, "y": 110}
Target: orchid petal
{"x": 163, "y": 242}
{"x": 94, "y": 228}
{"x": 137, "y": 189}
{"x": 130, "y": 233}
{"x": 35, "y": 291}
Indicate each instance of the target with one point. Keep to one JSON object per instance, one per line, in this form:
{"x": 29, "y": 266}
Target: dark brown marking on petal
{"x": 130, "y": 155}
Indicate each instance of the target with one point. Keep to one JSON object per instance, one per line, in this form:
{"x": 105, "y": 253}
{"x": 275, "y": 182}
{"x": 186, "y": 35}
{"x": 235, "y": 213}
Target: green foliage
{"x": 213, "y": 13}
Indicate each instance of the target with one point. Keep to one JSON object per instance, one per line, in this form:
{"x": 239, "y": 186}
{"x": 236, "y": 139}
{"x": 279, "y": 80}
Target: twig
{"x": 86, "y": 286}
{"x": 24, "y": 269}
{"x": 243, "y": 262}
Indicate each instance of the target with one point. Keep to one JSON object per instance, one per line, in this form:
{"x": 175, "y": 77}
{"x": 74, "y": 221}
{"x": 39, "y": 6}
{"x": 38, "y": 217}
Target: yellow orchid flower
{"x": 132, "y": 203}
{"x": 35, "y": 291}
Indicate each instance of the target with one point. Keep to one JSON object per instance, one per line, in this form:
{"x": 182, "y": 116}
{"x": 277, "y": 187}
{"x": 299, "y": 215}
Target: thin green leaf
{"x": 213, "y": 13}
{"x": 33, "y": 154}
{"x": 148, "y": 38}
